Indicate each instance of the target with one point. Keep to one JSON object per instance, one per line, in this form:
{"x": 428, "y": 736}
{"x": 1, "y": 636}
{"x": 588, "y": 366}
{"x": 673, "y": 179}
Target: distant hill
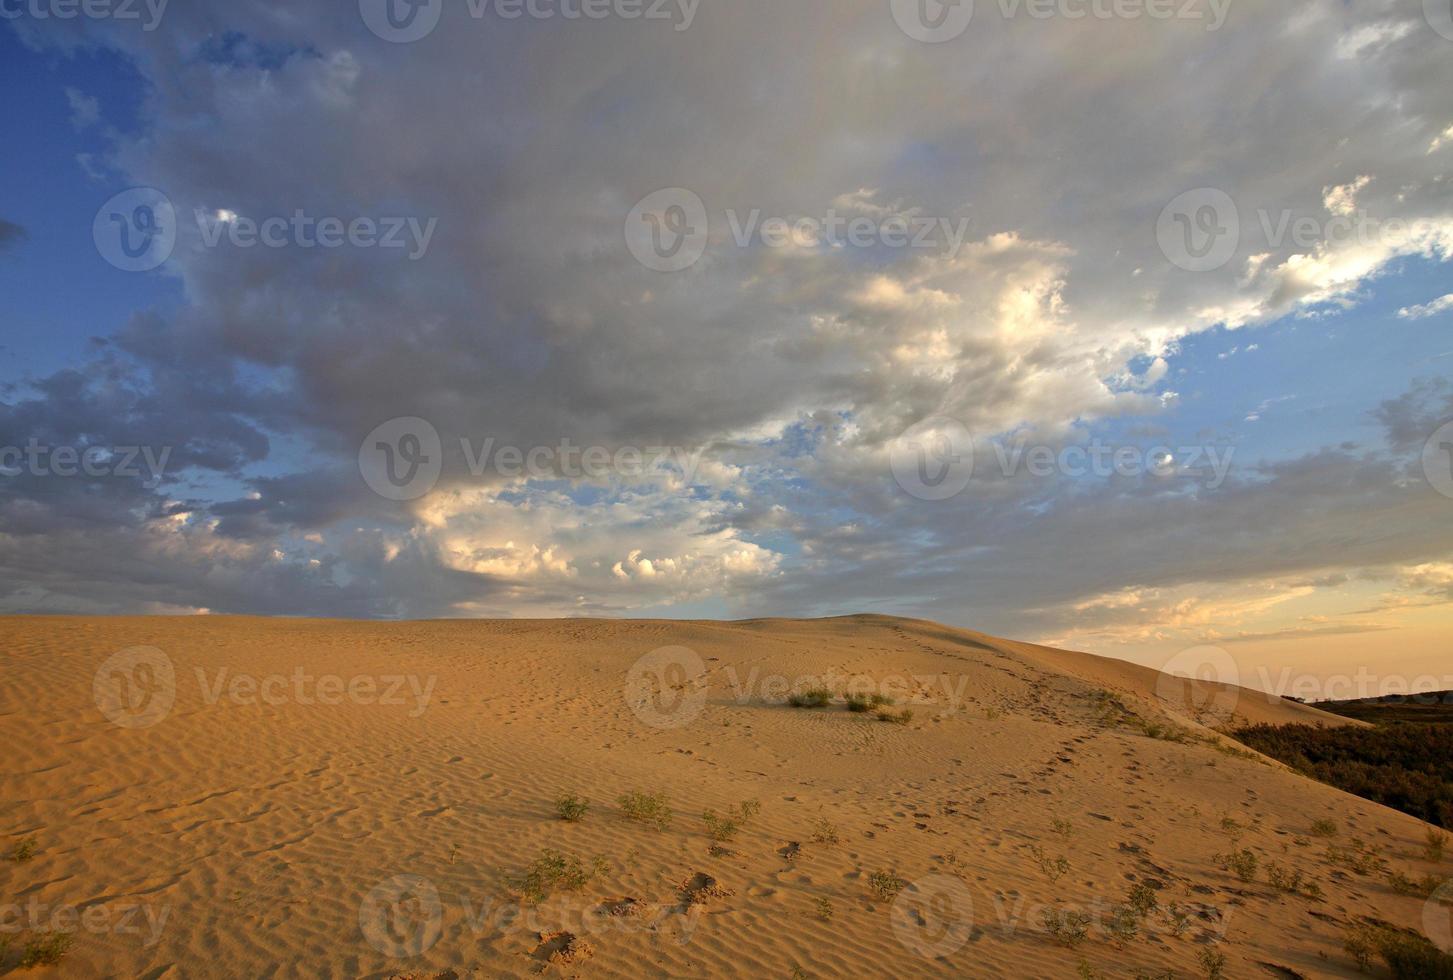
{"x": 1434, "y": 707}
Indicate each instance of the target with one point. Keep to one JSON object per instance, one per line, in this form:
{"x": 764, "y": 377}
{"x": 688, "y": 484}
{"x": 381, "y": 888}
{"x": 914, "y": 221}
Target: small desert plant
{"x": 551, "y": 870}
{"x": 1180, "y": 921}
{"x": 23, "y": 850}
{"x": 1087, "y": 972}
{"x": 1232, "y": 828}
{"x": 46, "y": 950}
{"x": 824, "y": 831}
{"x": 1324, "y": 828}
{"x": 1213, "y": 964}
{"x": 1408, "y": 955}
{"x": 1143, "y": 900}
{"x": 813, "y": 697}
{"x": 897, "y": 718}
{"x": 824, "y": 910}
{"x": 1359, "y": 857}
{"x": 650, "y": 808}
{"x": 1434, "y": 841}
{"x": 571, "y": 807}
{"x": 1241, "y": 863}
{"x": 724, "y": 828}
{"x": 1067, "y": 928}
{"x": 863, "y": 703}
{"x": 1423, "y": 887}
{"x": 1054, "y": 868}
{"x": 1282, "y": 879}
{"x": 885, "y": 885}
{"x": 1124, "y": 924}
{"x": 1064, "y": 828}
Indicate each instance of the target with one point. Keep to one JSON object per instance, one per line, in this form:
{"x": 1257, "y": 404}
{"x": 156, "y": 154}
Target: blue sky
{"x": 528, "y": 320}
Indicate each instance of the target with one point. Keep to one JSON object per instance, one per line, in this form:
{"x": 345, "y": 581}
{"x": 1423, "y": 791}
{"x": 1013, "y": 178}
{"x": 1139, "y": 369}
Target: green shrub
{"x": 724, "y": 828}
{"x": 885, "y": 885}
{"x": 1408, "y": 955}
{"x": 1143, "y": 900}
{"x": 571, "y": 807}
{"x": 824, "y": 831}
{"x": 1324, "y": 828}
{"x": 47, "y": 950}
{"x": 1242, "y": 863}
{"x": 649, "y": 808}
{"x": 552, "y": 870}
{"x": 1213, "y": 964}
{"x": 23, "y": 850}
{"x": 813, "y": 697}
{"x": 897, "y": 718}
{"x": 1054, "y": 868}
{"x": 1066, "y": 928}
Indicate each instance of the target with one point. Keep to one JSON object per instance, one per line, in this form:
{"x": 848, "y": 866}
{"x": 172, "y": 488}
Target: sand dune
{"x": 236, "y": 797}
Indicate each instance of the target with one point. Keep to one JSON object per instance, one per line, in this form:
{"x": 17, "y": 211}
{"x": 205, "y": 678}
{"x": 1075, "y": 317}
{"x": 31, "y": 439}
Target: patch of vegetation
{"x": 813, "y": 697}
{"x": 1213, "y": 964}
{"x": 1065, "y": 927}
{"x": 896, "y": 718}
{"x": 1292, "y": 882}
{"x": 1241, "y": 863}
{"x": 1407, "y": 954}
{"x": 1143, "y": 900}
{"x": 571, "y": 807}
{"x": 1423, "y": 887}
{"x": 1434, "y": 841}
{"x": 648, "y": 808}
{"x": 725, "y": 828}
{"x": 824, "y": 910}
{"x": 46, "y": 950}
{"x": 824, "y": 831}
{"x": 23, "y": 850}
{"x": 863, "y": 703}
{"x": 1123, "y": 926}
{"x": 1064, "y": 828}
{"x": 1324, "y": 828}
{"x": 1359, "y": 857}
{"x": 1054, "y": 868}
{"x": 1408, "y": 767}
{"x": 1434, "y": 707}
{"x": 552, "y": 870}
{"x": 886, "y": 885}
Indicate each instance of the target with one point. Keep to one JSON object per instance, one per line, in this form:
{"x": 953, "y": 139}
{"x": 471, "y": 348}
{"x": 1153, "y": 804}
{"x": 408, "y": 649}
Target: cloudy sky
{"x": 1123, "y": 327}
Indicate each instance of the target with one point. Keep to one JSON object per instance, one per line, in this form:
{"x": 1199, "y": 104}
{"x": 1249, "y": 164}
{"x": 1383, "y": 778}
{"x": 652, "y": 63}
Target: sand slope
{"x": 213, "y": 836}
